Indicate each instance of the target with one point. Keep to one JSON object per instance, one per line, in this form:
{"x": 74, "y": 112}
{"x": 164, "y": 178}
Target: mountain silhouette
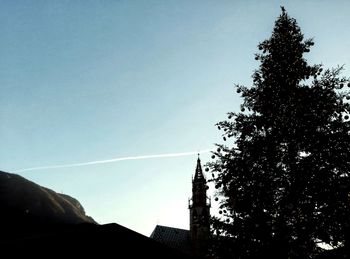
{"x": 36, "y": 221}
{"x": 23, "y": 201}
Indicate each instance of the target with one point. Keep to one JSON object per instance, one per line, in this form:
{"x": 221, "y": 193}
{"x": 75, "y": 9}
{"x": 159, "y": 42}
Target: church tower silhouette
{"x": 199, "y": 206}
{"x": 194, "y": 241}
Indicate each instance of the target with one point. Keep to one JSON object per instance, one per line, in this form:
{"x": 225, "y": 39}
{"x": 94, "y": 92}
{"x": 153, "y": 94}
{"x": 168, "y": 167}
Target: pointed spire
{"x": 199, "y": 173}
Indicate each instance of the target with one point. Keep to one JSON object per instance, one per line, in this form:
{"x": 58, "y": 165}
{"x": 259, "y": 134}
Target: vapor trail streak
{"x": 113, "y": 160}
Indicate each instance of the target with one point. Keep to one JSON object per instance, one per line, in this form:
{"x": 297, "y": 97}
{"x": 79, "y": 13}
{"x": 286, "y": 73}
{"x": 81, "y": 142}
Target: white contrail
{"x": 113, "y": 160}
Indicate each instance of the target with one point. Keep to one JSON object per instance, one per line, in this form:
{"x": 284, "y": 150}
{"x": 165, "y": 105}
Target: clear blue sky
{"x": 83, "y": 81}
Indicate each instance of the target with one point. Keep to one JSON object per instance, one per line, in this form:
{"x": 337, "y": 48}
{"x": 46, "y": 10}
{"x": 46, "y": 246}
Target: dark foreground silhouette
{"x": 104, "y": 241}
{"x": 36, "y": 221}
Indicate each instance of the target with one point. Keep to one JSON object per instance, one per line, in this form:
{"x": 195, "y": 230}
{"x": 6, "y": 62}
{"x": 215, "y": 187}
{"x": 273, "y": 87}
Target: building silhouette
{"x": 195, "y": 240}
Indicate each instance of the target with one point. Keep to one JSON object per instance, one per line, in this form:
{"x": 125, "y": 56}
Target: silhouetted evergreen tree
{"x": 283, "y": 185}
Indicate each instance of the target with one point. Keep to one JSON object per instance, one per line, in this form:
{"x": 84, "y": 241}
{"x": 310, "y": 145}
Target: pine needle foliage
{"x": 282, "y": 179}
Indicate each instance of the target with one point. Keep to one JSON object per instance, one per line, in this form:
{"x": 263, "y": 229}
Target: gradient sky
{"x": 84, "y": 80}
